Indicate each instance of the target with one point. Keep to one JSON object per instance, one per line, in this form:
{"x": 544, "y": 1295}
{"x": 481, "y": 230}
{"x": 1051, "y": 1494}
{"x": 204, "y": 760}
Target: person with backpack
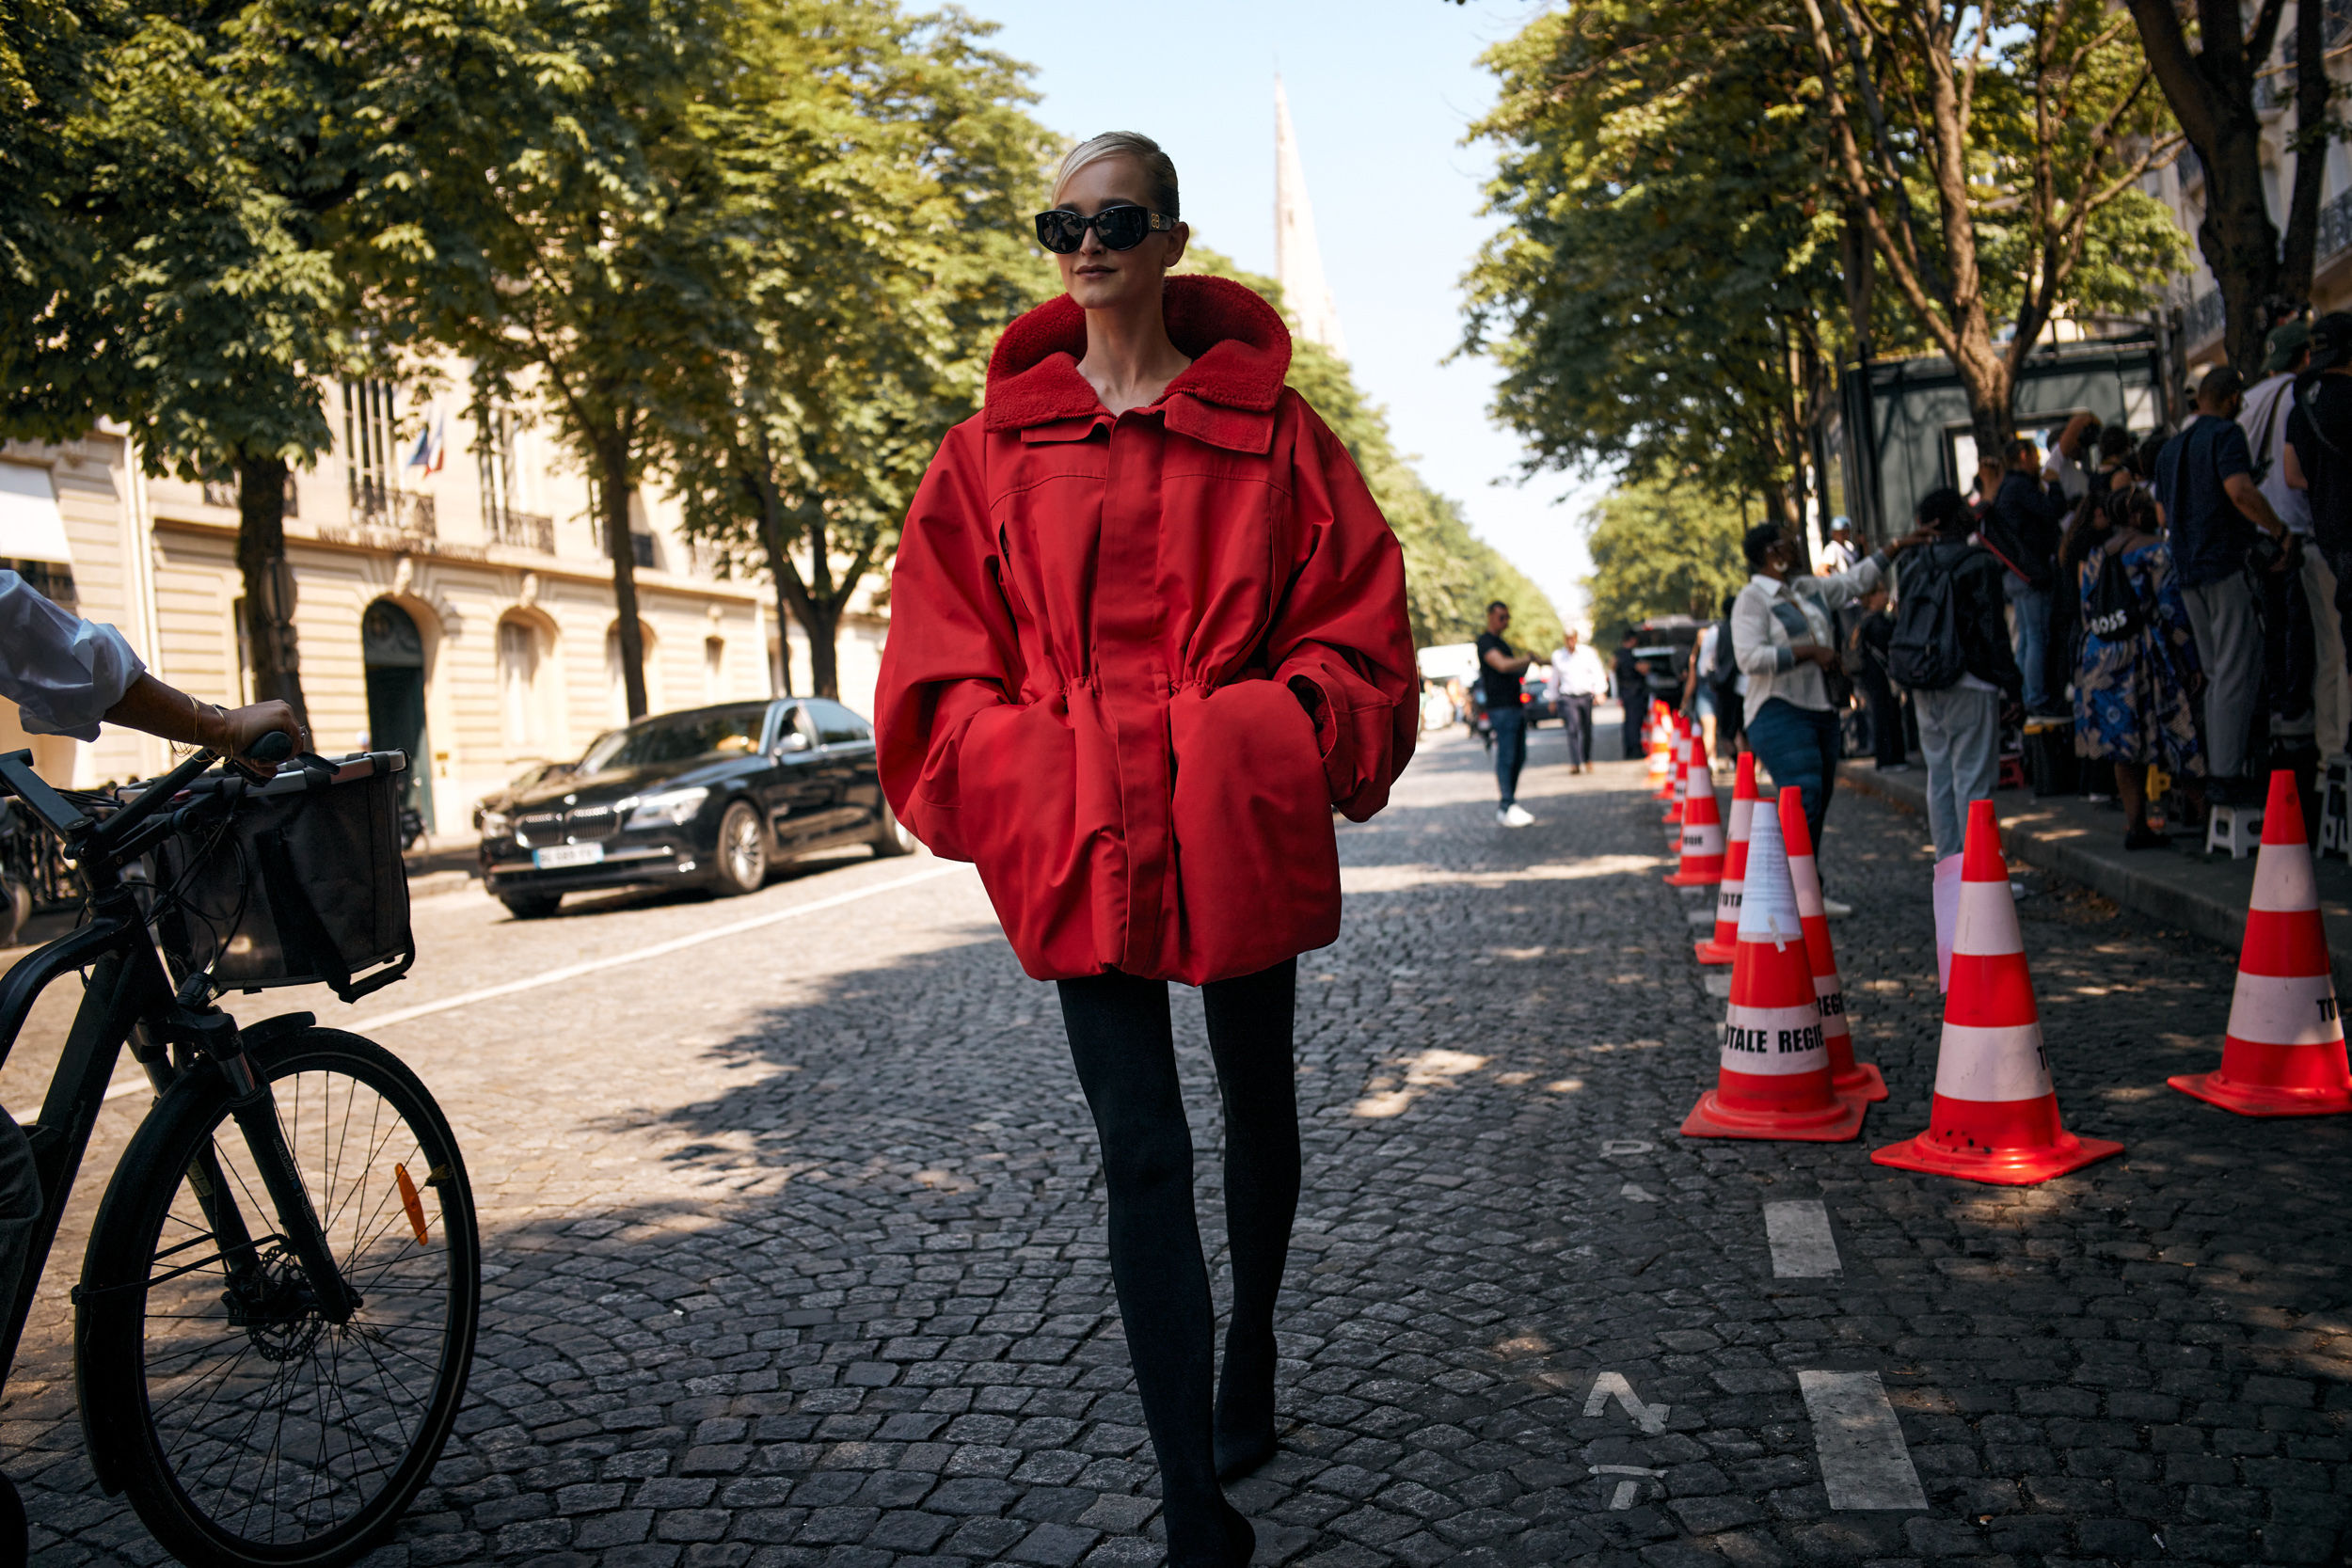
{"x": 2138, "y": 674}
{"x": 1950, "y": 650}
{"x": 1782, "y": 639}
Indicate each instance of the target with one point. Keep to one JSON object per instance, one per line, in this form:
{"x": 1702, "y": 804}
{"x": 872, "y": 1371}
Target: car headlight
{"x": 668, "y": 808}
{"x": 495, "y": 825}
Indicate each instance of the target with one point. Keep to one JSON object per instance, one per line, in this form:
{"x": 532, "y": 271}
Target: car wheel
{"x": 532, "y": 906}
{"x": 742, "y": 852}
{"x": 891, "y": 836}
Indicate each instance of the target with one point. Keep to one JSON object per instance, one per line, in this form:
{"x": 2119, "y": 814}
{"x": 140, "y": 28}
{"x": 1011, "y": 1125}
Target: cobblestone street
{"x": 798, "y": 1257}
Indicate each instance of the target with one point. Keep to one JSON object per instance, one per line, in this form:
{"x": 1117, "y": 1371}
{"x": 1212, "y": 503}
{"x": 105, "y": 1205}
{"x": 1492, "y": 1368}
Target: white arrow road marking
{"x": 1864, "y": 1462}
{"x": 1625, "y": 1146}
{"x": 1608, "y": 1385}
{"x": 1638, "y": 1192}
{"x": 1802, "y": 1247}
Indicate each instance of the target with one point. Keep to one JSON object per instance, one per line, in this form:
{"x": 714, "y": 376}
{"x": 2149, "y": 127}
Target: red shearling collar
{"x": 1240, "y": 352}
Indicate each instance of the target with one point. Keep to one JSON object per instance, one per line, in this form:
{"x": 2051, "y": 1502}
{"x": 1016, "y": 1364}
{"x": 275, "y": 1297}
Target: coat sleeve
{"x": 1341, "y": 628}
{"x": 953, "y": 650}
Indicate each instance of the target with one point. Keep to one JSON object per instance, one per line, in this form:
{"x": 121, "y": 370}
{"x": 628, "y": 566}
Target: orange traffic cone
{"x": 1684, "y": 742}
{"x": 1995, "y": 1114}
{"x": 1848, "y": 1075}
{"x": 2284, "y": 1056}
{"x": 1724, "y": 946}
{"x": 1702, "y": 829}
{"x": 1661, "y": 751}
{"x": 1773, "y": 1079}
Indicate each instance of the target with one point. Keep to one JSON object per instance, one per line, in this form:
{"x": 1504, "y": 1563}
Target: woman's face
{"x": 1100, "y": 279}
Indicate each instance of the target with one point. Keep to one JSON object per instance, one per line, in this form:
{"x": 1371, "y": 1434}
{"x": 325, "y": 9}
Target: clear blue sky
{"x": 1381, "y": 92}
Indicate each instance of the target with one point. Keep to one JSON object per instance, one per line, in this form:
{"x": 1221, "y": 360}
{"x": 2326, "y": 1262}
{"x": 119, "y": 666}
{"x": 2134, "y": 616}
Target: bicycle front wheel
{"x": 245, "y": 1425}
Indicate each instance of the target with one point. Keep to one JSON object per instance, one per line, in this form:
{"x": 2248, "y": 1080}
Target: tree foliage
{"x": 1660, "y": 548}
{"x": 1663, "y": 295}
{"x": 2210, "y": 71}
{"x": 194, "y": 199}
{"x": 886, "y": 161}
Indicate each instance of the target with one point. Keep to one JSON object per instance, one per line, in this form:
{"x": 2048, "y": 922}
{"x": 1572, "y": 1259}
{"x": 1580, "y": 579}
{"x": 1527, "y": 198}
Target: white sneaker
{"x": 1513, "y": 816}
{"x": 1834, "y": 910}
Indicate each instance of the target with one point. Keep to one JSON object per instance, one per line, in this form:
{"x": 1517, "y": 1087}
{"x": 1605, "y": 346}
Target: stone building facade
{"x": 453, "y": 596}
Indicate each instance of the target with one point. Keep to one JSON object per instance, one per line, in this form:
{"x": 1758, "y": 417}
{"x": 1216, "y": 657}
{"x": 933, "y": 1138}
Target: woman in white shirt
{"x": 1783, "y": 639}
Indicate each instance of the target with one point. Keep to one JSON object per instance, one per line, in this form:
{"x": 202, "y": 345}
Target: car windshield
{"x": 687, "y": 737}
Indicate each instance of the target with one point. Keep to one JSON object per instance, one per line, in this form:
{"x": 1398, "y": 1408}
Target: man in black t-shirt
{"x": 1498, "y": 672}
{"x": 2318, "y": 458}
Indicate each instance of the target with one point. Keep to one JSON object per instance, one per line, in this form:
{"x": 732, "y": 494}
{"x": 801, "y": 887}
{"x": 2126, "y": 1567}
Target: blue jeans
{"x": 1798, "y": 745}
{"x": 2029, "y": 635}
{"x": 1510, "y": 727}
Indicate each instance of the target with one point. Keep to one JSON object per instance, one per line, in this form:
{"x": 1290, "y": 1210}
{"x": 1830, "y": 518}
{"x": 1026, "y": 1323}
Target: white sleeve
{"x": 62, "y": 672}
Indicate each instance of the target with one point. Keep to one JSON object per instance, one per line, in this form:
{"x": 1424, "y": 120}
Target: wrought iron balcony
{"x": 2201, "y": 321}
{"x": 377, "y": 505}
{"x": 529, "y": 531}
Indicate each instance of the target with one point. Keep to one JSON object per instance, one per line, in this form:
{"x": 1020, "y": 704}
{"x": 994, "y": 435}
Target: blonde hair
{"x": 1157, "y": 166}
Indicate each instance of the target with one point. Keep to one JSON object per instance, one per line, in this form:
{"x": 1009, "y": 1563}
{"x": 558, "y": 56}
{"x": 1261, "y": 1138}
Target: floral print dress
{"x": 2131, "y": 695}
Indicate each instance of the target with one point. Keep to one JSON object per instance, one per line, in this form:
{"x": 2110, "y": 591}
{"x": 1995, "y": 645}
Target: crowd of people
{"x": 2171, "y": 606}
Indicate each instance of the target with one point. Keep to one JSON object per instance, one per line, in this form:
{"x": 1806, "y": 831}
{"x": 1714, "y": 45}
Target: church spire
{"x": 1297, "y": 264}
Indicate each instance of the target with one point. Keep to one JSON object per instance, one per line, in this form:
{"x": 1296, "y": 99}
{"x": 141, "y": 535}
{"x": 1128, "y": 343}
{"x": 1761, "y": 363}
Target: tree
{"x": 2212, "y": 85}
{"x": 1664, "y": 296}
{"x": 2027, "y": 124}
{"x": 572, "y": 232}
{"x": 1661, "y": 548}
{"x": 887, "y": 163}
{"x": 202, "y": 202}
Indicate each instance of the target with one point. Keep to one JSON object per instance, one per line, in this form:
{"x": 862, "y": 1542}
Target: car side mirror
{"x": 793, "y": 741}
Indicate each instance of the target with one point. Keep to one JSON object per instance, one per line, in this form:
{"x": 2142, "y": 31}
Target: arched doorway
{"x": 394, "y": 651}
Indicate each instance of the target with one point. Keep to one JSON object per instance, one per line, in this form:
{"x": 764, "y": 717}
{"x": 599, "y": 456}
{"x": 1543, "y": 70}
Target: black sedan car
{"x": 710, "y": 798}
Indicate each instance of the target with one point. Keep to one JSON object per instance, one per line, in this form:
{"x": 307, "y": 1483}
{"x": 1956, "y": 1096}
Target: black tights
{"x": 1125, "y": 1051}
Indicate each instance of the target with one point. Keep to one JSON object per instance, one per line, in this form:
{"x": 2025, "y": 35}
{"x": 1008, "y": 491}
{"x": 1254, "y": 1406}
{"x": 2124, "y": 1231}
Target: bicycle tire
{"x": 150, "y": 1303}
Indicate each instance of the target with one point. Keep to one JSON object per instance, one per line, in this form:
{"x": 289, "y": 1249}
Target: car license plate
{"x": 567, "y": 854}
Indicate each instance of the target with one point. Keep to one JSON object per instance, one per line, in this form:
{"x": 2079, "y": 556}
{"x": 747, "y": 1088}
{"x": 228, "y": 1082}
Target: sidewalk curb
{"x": 2204, "y": 900}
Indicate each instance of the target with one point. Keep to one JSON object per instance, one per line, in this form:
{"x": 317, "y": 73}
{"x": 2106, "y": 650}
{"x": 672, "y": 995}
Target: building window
{"x": 714, "y": 668}
{"x": 518, "y": 686}
{"x": 371, "y": 446}
{"x": 506, "y": 518}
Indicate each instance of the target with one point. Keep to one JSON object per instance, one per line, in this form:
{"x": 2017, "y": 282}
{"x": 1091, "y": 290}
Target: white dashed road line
{"x": 1802, "y": 1245}
{"x": 1864, "y": 1462}
{"x": 573, "y": 972}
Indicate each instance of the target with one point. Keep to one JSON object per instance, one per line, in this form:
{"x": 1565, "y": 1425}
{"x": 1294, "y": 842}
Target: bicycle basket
{"x": 305, "y": 886}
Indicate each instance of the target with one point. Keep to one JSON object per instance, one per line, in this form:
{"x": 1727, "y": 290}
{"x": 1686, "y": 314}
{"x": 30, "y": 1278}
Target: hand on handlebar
{"x": 236, "y": 732}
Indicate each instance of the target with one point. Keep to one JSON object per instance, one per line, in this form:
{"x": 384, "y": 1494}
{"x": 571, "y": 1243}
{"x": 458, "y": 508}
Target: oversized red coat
{"x": 1094, "y": 623}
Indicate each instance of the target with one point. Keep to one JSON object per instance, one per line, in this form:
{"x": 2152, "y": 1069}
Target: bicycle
{"x": 278, "y": 1300}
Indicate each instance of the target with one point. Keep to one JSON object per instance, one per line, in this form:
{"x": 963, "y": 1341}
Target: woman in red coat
{"x": 1148, "y": 631}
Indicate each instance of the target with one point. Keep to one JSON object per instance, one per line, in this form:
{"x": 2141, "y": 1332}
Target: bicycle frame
{"x": 129, "y": 1000}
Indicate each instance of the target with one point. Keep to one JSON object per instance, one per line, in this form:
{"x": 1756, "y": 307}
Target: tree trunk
{"x": 778, "y": 570}
{"x": 1984, "y": 376}
{"x": 2239, "y": 242}
{"x": 612, "y": 459}
{"x": 269, "y": 585}
{"x": 824, "y": 672}
{"x": 2298, "y": 254}
{"x": 824, "y": 609}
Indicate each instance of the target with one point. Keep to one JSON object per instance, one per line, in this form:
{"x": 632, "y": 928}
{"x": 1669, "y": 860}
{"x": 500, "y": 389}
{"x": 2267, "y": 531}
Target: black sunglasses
{"x": 1063, "y": 231}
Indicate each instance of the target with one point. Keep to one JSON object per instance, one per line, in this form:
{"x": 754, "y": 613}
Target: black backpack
{"x": 1923, "y": 655}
